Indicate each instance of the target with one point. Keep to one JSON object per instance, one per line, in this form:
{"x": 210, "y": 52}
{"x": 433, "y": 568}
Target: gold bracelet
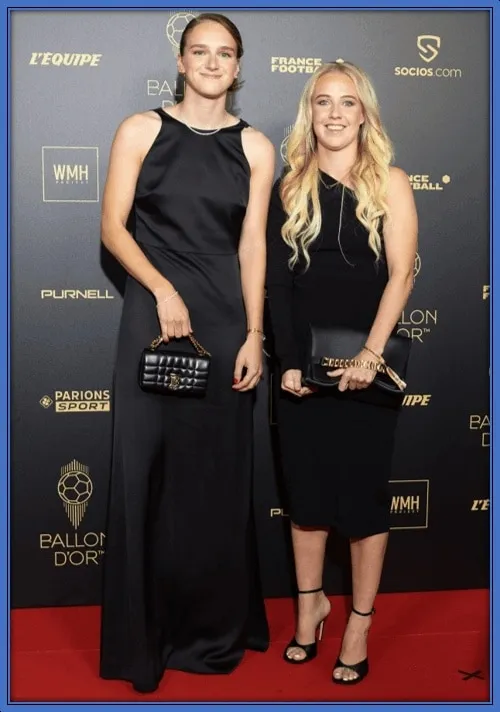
{"x": 379, "y": 358}
{"x": 256, "y": 331}
{"x": 379, "y": 366}
{"x": 171, "y": 296}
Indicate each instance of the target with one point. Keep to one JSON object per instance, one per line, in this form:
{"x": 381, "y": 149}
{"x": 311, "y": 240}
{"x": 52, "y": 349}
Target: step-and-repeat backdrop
{"x": 75, "y": 76}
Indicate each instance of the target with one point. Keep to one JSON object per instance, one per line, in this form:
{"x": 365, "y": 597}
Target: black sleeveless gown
{"x": 336, "y": 448}
{"x": 181, "y": 583}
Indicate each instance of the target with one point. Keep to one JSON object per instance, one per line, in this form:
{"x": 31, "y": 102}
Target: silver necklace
{"x": 205, "y": 133}
{"x": 328, "y": 187}
{"x": 340, "y": 227}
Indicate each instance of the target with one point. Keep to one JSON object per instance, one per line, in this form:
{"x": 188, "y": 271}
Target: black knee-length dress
{"x": 181, "y": 584}
{"x": 336, "y": 450}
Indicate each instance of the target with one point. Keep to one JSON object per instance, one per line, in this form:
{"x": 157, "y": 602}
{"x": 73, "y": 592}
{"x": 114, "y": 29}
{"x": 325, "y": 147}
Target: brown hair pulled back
{"x": 220, "y": 20}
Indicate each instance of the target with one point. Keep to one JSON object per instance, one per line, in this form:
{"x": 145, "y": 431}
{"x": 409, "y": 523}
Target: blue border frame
{"x": 494, "y": 9}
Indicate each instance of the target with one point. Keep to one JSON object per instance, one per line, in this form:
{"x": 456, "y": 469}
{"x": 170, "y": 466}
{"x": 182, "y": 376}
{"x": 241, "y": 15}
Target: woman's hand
{"x": 173, "y": 316}
{"x": 250, "y": 358}
{"x": 355, "y": 378}
{"x": 291, "y": 382}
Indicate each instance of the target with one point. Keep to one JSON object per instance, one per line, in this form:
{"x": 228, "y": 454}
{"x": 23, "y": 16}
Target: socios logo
{"x": 428, "y": 47}
{"x": 284, "y": 143}
{"x": 176, "y": 26}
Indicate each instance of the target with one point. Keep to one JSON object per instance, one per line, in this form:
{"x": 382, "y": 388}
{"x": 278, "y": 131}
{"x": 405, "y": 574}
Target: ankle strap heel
{"x": 312, "y": 590}
{"x": 310, "y": 650}
{"x": 358, "y": 613}
{"x": 361, "y": 668}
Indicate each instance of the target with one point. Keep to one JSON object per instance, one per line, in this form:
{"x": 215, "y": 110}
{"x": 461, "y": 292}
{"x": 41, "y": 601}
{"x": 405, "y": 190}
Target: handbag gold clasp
{"x": 174, "y": 382}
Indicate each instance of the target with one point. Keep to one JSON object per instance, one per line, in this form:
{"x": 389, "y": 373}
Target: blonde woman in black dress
{"x": 181, "y": 588}
{"x": 342, "y": 237}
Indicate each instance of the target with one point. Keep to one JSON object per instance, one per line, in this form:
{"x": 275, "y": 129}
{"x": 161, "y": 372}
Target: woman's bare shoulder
{"x": 138, "y": 131}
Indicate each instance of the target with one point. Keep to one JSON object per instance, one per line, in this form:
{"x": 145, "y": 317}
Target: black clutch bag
{"x": 174, "y": 372}
{"x": 330, "y": 348}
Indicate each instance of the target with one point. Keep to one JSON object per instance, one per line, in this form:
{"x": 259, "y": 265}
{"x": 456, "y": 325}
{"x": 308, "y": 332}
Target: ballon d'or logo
{"x": 176, "y": 26}
{"x": 284, "y": 143}
{"x": 417, "y": 265}
{"x": 75, "y": 489}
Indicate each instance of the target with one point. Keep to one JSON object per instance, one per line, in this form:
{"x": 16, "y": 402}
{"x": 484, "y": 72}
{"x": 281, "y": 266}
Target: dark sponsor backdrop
{"x": 75, "y": 76}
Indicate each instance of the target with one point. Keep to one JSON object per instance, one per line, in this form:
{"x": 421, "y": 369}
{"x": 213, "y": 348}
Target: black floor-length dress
{"x": 181, "y": 583}
{"x": 336, "y": 449}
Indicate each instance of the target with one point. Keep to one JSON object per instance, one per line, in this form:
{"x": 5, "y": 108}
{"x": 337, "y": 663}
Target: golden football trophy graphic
{"x": 75, "y": 489}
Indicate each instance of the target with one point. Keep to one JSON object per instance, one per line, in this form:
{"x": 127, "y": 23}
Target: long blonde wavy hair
{"x": 369, "y": 176}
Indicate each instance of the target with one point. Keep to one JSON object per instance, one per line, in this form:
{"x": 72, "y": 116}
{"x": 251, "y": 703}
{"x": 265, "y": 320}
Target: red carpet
{"x": 423, "y": 647}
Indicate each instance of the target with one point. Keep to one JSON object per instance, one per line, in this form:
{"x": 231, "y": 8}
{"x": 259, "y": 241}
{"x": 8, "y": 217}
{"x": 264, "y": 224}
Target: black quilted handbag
{"x": 175, "y": 372}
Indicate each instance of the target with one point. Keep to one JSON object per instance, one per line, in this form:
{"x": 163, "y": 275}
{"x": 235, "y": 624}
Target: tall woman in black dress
{"x": 342, "y": 234}
{"x": 181, "y": 588}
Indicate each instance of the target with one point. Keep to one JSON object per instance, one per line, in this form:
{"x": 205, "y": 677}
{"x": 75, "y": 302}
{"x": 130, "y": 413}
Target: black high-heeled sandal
{"x": 310, "y": 649}
{"x": 361, "y": 668}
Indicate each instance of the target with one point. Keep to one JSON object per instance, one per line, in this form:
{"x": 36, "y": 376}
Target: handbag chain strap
{"x": 196, "y": 344}
{"x": 380, "y": 366}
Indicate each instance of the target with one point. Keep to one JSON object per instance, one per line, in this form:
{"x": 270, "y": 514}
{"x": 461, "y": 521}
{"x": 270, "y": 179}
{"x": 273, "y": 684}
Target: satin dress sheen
{"x": 336, "y": 449}
{"x": 181, "y": 582}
